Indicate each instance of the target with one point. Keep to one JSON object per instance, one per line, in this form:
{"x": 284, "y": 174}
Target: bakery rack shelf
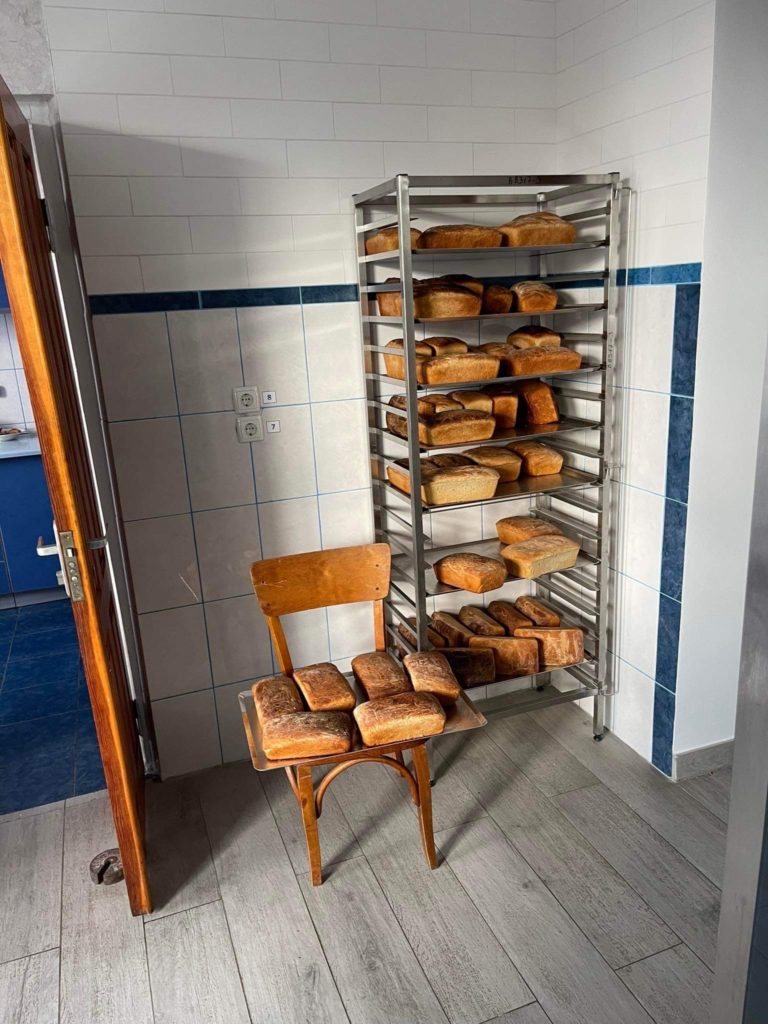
{"x": 575, "y": 499}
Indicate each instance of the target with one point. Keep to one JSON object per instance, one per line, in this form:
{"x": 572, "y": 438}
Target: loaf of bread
{"x": 460, "y": 236}
{"x": 431, "y": 300}
{"x": 537, "y": 611}
{"x": 506, "y": 463}
{"x": 324, "y": 688}
{"x": 527, "y": 361}
{"x": 427, "y": 405}
{"x": 471, "y": 666}
{"x": 532, "y": 558}
{"x": 275, "y": 696}
{"x": 503, "y": 353}
{"x": 454, "y": 631}
{"x": 512, "y": 657}
{"x": 307, "y": 734}
{"x": 429, "y": 672}
{"x": 435, "y": 638}
{"x": 538, "y": 459}
{"x": 449, "y": 485}
{"x": 379, "y": 674}
{"x": 505, "y": 406}
{"x": 457, "y": 369}
{"x": 395, "y": 364}
{"x": 497, "y": 299}
{"x": 557, "y": 647}
{"x": 540, "y": 228}
{"x": 516, "y": 529}
{"x": 534, "y": 297}
{"x": 447, "y": 346}
{"x": 507, "y": 615}
{"x": 539, "y": 400}
{"x": 404, "y": 716}
{"x": 455, "y": 426}
{"x": 388, "y": 239}
{"x": 477, "y": 400}
{"x": 467, "y": 571}
{"x": 464, "y": 281}
{"x": 534, "y": 336}
{"x": 478, "y": 620}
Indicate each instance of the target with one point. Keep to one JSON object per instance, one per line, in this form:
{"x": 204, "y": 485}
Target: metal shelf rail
{"x": 578, "y": 499}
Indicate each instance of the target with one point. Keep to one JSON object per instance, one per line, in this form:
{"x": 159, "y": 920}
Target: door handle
{"x": 44, "y": 550}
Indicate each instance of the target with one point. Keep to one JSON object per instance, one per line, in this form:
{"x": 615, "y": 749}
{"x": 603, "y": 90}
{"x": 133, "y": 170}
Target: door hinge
{"x": 71, "y": 565}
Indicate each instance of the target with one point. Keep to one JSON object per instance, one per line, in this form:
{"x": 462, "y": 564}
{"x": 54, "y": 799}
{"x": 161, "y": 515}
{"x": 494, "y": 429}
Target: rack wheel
{"x": 540, "y": 688}
{"x": 599, "y": 739}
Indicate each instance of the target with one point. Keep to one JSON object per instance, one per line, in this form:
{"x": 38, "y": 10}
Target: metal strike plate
{"x": 71, "y": 565}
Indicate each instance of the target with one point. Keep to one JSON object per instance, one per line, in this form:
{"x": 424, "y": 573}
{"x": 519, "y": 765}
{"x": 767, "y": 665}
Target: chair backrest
{"x": 320, "y": 579}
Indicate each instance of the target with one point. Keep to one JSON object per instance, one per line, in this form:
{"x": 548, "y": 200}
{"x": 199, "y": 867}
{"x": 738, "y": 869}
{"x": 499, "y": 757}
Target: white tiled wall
{"x": 15, "y": 409}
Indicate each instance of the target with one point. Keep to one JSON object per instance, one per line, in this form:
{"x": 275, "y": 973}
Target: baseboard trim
{"x": 690, "y": 763}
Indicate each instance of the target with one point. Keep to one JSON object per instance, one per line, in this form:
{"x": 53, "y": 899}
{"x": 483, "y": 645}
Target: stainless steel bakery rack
{"x": 579, "y": 499}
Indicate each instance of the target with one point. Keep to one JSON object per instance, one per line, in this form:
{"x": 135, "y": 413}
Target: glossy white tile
{"x": 284, "y": 462}
{"x": 632, "y": 709}
{"x": 135, "y": 365}
{"x": 187, "y": 733}
{"x": 272, "y": 345}
{"x": 228, "y": 543}
{"x": 149, "y": 463}
{"x": 206, "y": 358}
{"x": 341, "y": 450}
{"x": 289, "y": 526}
{"x": 234, "y": 744}
{"x": 334, "y": 351}
{"x": 346, "y": 518}
{"x": 163, "y": 561}
{"x": 218, "y": 465}
{"x": 175, "y": 649}
{"x": 238, "y": 639}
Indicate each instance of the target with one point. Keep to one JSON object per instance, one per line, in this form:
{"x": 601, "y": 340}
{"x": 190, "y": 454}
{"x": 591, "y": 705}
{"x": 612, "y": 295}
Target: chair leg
{"x": 306, "y": 794}
{"x": 421, "y": 765}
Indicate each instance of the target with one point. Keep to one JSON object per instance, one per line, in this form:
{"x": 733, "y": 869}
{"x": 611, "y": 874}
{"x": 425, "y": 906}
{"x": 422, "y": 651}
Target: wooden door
{"x": 26, "y": 264}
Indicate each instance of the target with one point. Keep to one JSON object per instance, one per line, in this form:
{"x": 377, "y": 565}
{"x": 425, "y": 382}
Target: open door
{"x": 25, "y": 259}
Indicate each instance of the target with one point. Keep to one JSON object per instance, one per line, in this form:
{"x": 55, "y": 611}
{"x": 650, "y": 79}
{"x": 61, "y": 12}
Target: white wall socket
{"x": 246, "y": 399}
{"x": 249, "y": 428}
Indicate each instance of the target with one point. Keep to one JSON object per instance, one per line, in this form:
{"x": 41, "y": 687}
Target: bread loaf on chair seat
{"x": 324, "y": 688}
{"x": 379, "y": 674}
{"x": 404, "y": 716}
{"x": 275, "y": 696}
{"x": 431, "y": 673}
{"x": 307, "y": 734}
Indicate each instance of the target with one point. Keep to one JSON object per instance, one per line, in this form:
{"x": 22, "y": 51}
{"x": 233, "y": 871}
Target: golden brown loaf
{"x": 532, "y": 558}
{"x": 497, "y": 299}
{"x": 515, "y": 529}
{"x": 447, "y": 346}
{"x": 510, "y": 618}
{"x": 453, "y": 426}
{"x": 468, "y": 571}
{"x": 431, "y": 300}
{"x": 404, "y": 716}
{"x": 503, "y": 353}
{"x": 542, "y": 360}
{"x": 506, "y": 463}
{"x": 477, "y": 400}
{"x": 539, "y": 400}
{"x": 395, "y": 364}
{"x": 307, "y": 734}
{"x": 460, "y": 236}
{"x": 445, "y": 485}
{"x": 379, "y": 674}
{"x": 431, "y": 673}
{"x": 458, "y": 369}
{"x": 275, "y": 696}
{"x": 557, "y": 647}
{"x": 505, "y": 405}
{"x": 537, "y": 611}
{"x": 427, "y": 405}
{"x": 480, "y": 622}
{"x": 534, "y": 297}
{"x": 538, "y": 459}
{"x": 435, "y": 638}
{"x": 540, "y": 228}
{"x": 454, "y": 631}
{"x": 324, "y": 688}
{"x": 472, "y": 667}
{"x": 512, "y": 657}
{"x": 387, "y": 239}
{"x": 534, "y": 336}
{"x": 465, "y": 281}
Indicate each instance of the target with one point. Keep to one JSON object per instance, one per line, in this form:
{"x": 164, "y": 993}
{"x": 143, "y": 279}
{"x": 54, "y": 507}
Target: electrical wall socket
{"x": 249, "y": 428}
{"x": 246, "y": 399}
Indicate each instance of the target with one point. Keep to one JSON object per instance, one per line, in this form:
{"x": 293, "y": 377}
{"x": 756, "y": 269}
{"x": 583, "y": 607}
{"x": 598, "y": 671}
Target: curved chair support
{"x": 371, "y": 758}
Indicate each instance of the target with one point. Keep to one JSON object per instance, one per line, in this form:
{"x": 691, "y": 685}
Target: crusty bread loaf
{"x": 538, "y": 459}
{"x": 506, "y": 463}
{"x": 435, "y": 638}
{"x": 505, "y": 406}
{"x": 379, "y": 674}
{"x": 503, "y": 353}
{"x": 534, "y": 297}
{"x": 497, "y": 299}
{"x": 447, "y": 346}
{"x": 454, "y": 631}
{"x": 307, "y": 734}
{"x": 478, "y": 400}
{"x": 429, "y": 672}
{"x": 534, "y": 336}
{"x": 427, "y": 405}
{"x": 540, "y": 228}
{"x": 516, "y": 529}
{"x": 532, "y": 558}
{"x": 525, "y": 361}
{"x": 460, "y": 236}
{"x": 403, "y": 716}
{"x": 395, "y": 364}
{"x": 454, "y": 426}
{"x": 324, "y": 688}
{"x": 388, "y": 239}
{"x": 471, "y": 666}
{"x": 469, "y": 571}
{"x": 537, "y": 611}
{"x": 478, "y": 620}
{"x": 557, "y": 647}
{"x": 512, "y": 657}
{"x": 449, "y": 485}
{"x": 458, "y": 369}
{"x": 431, "y": 300}
{"x": 275, "y": 696}
{"x": 465, "y": 281}
{"x": 539, "y": 400}
{"x": 505, "y": 613}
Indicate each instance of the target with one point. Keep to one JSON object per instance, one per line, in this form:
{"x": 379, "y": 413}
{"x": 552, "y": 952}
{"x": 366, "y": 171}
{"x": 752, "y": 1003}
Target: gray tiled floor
{"x": 576, "y": 886}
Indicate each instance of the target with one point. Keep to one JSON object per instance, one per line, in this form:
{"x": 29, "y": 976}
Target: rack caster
{"x": 540, "y": 689}
{"x": 599, "y": 738}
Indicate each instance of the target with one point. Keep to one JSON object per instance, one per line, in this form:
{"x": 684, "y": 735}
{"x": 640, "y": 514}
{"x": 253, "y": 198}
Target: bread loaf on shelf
{"x": 446, "y": 485}
{"x": 464, "y": 281}
{"x": 454, "y": 426}
{"x": 512, "y": 657}
{"x": 307, "y": 734}
{"x": 275, "y": 696}
{"x": 388, "y": 239}
{"x": 505, "y": 407}
{"x": 431, "y": 300}
{"x": 457, "y": 369}
{"x": 395, "y": 364}
{"x": 478, "y": 620}
{"x": 477, "y": 400}
{"x": 534, "y": 297}
{"x": 532, "y": 558}
{"x": 528, "y": 361}
{"x": 538, "y": 459}
{"x": 471, "y": 666}
{"x": 433, "y": 637}
{"x": 430, "y": 672}
{"x": 558, "y": 648}
{"x": 454, "y": 631}
{"x": 460, "y": 236}
{"x": 379, "y": 674}
{"x": 539, "y": 400}
{"x": 468, "y": 571}
{"x": 505, "y": 613}
{"x": 506, "y": 463}
{"x": 515, "y": 529}
{"x": 403, "y": 716}
{"x": 534, "y": 336}
{"x": 497, "y": 299}
{"x": 324, "y": 688}
{"x": 537, "y": 611}
{"x": 540, "y": 228}
{"x": 447, "y": 346}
